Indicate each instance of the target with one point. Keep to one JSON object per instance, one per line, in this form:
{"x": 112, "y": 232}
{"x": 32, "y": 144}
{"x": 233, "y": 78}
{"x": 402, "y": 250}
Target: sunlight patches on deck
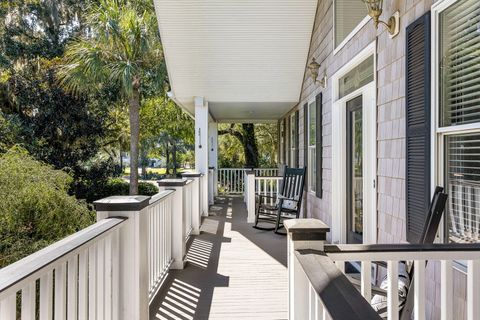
{"x": 180, "y": 303}
{"x": 199, "y": 253}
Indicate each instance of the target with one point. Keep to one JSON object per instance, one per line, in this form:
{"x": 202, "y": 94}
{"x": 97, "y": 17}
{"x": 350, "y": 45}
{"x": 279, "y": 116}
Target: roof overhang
{"x": 246, "y": 58}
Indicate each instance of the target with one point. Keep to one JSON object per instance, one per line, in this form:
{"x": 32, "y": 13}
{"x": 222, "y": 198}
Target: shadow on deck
{"x": 233, "y": 271}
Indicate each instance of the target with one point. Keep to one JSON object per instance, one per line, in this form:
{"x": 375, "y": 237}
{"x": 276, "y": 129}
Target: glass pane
{"x": 356, "y": 164}
{"x": 348, "y": 14}
{"x": 460, "y": 63}
{"x": 292, "y": 131}
{"x": 356, "y": 78}
{"x": 312, "y": 124}
{"x": 312, "y": 171}
{"x": 462, "y": 172}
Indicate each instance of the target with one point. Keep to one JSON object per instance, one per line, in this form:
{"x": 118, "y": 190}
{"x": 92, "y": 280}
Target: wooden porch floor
{"x": 233, "y": 271}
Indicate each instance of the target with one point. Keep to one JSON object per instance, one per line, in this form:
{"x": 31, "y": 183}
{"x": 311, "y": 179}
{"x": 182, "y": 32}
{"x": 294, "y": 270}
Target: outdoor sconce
{"x": 374, "y": 8}
{"x": 314, "y": 66}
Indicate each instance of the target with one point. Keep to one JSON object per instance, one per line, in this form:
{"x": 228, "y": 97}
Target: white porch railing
{"x": 159, "y": 240}
{"x": 112, "y": 269}
{"x": 232, "y": 180}
{"x": 319, "y": 290}
{"x": 259, "y": 185}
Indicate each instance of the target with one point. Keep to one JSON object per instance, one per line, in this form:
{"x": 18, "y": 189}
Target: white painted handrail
{"x": 231, "y": 180}
{"x": 306, "y": 297}
{"x": 78, "y": 277}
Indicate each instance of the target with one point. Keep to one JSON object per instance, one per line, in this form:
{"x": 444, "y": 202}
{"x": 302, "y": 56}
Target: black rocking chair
{"x": 432, "y": 222}
{"x": 286, "y": 204}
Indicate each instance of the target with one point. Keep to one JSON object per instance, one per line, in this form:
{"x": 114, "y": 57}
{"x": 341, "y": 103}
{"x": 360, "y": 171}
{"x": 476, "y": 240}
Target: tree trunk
{"x": 250, "y": 147}
{"x": 143, "y": 162}
{"x": 167, "y": 159}
{"x": 134, "y": 115}
{"x": 121, "y": 163}
{"x": 174, "y": 158}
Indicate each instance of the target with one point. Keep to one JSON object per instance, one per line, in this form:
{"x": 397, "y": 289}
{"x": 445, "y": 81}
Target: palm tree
{"x": 122, "y": 46}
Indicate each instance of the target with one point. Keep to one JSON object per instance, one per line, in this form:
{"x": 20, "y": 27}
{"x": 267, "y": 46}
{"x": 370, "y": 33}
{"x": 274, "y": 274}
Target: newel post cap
{"x": 306, "y": 229}
{"x": 173, "y": 182}
{"x": 192, "y": 174}
{"x": 122, "y": 203}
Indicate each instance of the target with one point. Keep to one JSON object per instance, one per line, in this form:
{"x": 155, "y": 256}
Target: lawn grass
{"x": 154, "y": 170}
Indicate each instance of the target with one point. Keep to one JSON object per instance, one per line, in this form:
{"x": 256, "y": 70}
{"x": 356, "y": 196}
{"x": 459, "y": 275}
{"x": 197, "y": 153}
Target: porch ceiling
{"x": 246, "y": 58}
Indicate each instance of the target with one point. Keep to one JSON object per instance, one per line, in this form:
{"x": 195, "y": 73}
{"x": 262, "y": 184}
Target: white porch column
{"x": 213, "y": 153}
{"x": 201, "y": 148}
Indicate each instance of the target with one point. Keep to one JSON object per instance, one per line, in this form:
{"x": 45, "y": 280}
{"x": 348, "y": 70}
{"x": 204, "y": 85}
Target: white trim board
{"x": 339, "y": 225}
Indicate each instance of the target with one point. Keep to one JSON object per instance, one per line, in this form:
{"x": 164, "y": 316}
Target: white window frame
{"x": 439, "y": 133}
{"x": 339, "y": 224}
{"x": 351, "y": 34}
{"x": 311, "y": 177}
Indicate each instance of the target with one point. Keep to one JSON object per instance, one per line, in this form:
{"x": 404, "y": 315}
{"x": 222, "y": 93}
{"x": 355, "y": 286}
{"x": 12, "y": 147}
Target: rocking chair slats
{"x": 288, "y": 200}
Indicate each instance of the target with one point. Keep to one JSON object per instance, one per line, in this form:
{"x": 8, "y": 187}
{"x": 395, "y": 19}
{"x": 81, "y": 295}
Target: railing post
{"x": 178, "y": 219}
{"x": 133, "y": 254}
{"x": 196, "y": 210}
{"x": 250, "y": 186}
{"x": 302, "y": 234}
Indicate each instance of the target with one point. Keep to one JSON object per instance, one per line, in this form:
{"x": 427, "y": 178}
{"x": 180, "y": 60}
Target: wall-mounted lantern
{"x": 314, "y": 67}
{"x": 375, "y": 9}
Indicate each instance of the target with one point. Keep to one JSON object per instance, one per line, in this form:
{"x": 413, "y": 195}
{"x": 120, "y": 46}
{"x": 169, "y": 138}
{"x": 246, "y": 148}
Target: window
{"x": 348, "y": 15}
{"x": 312, "y": 168}
{"x": 293, "y": 139}
{"x": 458, "y": 71}
{"x": 282, "y": 142}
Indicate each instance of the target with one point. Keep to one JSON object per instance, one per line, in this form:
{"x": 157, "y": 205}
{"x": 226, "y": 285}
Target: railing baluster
{"x": 60, "y": 292}
{"x": 366, "y": 285}
{"x": 115, "y": 245}
{"x": 46, "y": 296}
{"x": 392, "y": 292}
{"x": 28, "y": 302}
{"x": 419, "y": 289}
{"x": 446, "y": 294}
{"x": 8, "y": 308}
{"x": 72, "y": 285}
{"x": 100, "y": 279}
{"x": 473, "y": 292}
{"x": 107, "y": 309}
{"x": 83, "y": 284}
{"x": 92, "y": 282}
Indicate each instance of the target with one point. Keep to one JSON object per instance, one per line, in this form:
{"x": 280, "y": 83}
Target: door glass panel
{"x": 355, "y": 169}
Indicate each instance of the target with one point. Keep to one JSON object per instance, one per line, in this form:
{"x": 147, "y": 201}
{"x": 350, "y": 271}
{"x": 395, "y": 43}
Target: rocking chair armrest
{"x": 375, "y": 289}
{"x": 265, "y": 196}
{"x": 280, "y": 197}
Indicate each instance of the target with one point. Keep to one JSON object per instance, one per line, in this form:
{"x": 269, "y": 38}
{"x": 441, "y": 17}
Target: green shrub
{"x": 35, "y": 208}
{"x": 119, "y": 187}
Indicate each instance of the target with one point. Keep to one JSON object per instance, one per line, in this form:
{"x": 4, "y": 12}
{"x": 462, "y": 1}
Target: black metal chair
{"x": 430, "y": 229}
{"x": 286, "y": 204}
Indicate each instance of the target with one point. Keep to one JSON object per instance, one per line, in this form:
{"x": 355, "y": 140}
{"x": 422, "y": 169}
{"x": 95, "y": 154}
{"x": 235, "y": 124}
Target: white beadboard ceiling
{"x": 245, "y": 57}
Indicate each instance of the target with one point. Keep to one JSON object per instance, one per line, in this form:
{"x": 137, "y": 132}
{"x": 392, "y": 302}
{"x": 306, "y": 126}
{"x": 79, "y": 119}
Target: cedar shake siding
{"x": 391, "y": 129}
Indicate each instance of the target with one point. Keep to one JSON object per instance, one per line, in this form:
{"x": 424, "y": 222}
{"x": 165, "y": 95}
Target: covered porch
{"x": 232, "y": 271}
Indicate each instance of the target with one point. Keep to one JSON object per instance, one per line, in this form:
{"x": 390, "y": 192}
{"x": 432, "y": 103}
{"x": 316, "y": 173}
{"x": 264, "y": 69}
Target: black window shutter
{"x": 318, "y": 146}
{"x": 289, "y": 144}
{"x": 279, "y": 139}
{"x": 417, "y": 125}
{"x": 297, "y": 139}
{"x": 284, "y": 143}
{"x": 305, "y": 141}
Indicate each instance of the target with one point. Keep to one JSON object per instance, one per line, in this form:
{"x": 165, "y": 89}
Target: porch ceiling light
{"x": 374, "y": 8}
{"x": 314, "y": 67}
